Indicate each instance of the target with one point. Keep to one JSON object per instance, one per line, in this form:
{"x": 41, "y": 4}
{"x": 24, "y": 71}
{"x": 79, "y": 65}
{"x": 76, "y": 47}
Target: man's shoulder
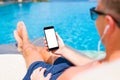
{"x": 73, "y": 71}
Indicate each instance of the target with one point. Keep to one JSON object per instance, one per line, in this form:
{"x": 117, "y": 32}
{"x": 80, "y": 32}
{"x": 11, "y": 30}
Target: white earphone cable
{"x": 99, "y": 42}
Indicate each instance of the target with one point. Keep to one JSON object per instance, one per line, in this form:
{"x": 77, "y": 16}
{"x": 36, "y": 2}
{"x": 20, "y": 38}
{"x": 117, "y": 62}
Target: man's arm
{"x": 70, "y": 54}
{"x": 75, "y": 57}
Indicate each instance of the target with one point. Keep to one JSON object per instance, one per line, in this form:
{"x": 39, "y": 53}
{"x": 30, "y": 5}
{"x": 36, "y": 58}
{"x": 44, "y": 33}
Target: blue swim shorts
{"x": 59, "y": 66}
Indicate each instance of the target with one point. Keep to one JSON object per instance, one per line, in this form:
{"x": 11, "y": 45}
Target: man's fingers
{"x": 45, "y": 42}
{"x": 48, "y": 76}
{"x": 38, "y": 74}
{"x": 44, "y": 39}
{"x": 42, "y": 71}
{"x": 36, "y": 71}
{"x": 46, "y": 45}
{"x": 58, "y": 37}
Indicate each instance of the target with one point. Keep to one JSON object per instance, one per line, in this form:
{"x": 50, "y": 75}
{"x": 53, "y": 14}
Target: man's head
{"x": 107, "y": 13}
{"x": 111, "y": 14}
{"x": 111, "y": 8}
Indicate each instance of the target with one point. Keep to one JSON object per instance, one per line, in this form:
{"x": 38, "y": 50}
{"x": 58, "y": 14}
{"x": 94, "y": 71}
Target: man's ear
{"x": 111, "y": 23}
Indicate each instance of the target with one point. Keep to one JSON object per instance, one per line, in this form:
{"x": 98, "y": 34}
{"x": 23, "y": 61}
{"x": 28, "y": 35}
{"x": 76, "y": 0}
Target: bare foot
{"x": 22, "y": 39}
{"x": 29, "y": 51}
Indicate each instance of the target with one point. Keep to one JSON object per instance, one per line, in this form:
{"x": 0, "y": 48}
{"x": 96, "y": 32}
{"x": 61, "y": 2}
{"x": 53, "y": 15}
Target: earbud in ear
{"x": 106, "y": 29}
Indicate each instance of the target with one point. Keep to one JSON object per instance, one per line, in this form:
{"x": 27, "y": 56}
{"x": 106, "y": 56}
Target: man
{"x": 107, "y": 19}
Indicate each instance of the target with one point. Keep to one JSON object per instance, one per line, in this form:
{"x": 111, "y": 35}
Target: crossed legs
{"x": 30, "y": 52}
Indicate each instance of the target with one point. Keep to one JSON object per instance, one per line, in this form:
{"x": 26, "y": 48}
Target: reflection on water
{"x": 71, "y": 20}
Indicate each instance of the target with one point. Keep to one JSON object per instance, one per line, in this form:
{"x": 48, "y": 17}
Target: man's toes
{"x": 18, "y": 39}
{"x": 22, "y": 31}
{"x": 19, "y": 29}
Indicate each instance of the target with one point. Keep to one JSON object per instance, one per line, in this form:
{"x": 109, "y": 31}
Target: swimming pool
{"x": 71, "y": 20}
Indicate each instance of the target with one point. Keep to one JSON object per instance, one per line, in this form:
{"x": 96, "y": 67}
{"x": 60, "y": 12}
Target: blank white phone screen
{"x": 51, "y": 38}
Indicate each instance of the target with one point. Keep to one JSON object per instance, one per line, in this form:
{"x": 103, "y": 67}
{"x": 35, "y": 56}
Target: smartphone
{"x": 51, "y": 38}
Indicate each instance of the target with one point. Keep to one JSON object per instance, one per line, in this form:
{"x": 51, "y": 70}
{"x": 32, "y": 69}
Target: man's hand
{"x": 38, "y": 74}
{"x": 60, "y": 43}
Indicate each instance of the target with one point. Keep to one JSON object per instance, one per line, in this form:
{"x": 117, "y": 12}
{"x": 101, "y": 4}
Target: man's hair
{"x": 112, "y": 7}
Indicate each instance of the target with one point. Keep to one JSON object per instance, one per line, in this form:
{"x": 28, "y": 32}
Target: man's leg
{"x": 30, "y": 52}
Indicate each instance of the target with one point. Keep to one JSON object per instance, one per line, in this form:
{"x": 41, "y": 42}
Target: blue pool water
{"x": 71, "y": 20}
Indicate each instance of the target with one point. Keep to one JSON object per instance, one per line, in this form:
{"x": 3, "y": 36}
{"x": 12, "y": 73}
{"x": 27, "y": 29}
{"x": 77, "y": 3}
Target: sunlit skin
{"x": 34, "y": 53}
{"x": 111, "y": 39}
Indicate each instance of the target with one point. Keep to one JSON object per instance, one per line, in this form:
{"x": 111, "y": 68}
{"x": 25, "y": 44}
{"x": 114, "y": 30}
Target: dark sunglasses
{"x": 94, "y": 15}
